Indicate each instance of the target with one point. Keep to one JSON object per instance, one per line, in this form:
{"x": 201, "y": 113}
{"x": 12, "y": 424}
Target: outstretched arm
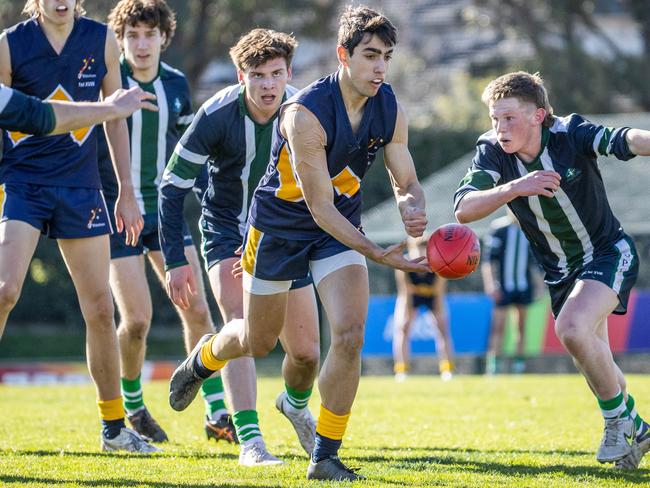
{"x": 307, "y": 141}
{"x": 638, "y": 141}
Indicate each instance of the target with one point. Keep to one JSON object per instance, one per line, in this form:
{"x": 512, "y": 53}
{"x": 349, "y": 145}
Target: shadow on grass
{"x": 423, "y": 462}
{"x": 29, "y": 480}
{"x": 119, "y": 455}
{"x": 470, "y": 450}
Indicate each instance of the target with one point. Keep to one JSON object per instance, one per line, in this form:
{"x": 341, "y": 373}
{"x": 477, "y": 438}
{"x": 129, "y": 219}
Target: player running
{"x": 545, "y": 169}
{"x": 233, "y": 134}
{"x": 305, "y": 217}
{"x": 31, "y": 115}
{"x": 143, "y": 31}
{"x": 51, "y": 185}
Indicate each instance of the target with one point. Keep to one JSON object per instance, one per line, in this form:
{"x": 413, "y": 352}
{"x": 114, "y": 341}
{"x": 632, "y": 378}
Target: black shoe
{"x": 185, "y": 383}
{"x": 331, "y": 468}
{"x": 145, "y": 425}
{"x": 222, "y": 429}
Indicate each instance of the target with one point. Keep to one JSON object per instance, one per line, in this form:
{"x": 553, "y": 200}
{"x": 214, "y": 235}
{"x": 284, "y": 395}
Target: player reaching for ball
{"x": 305, "y": 216}
{"x": 453, "y": 251}
{"x": 545, "y": 169}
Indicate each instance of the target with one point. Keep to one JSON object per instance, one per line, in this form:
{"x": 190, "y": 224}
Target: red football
{"x": 453, "y": 251}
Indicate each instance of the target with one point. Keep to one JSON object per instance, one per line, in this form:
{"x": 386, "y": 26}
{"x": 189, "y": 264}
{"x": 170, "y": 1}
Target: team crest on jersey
{"x": 177, "y": 105}
{"x": 572, "y": 174}
{"x": 86, "y": 77}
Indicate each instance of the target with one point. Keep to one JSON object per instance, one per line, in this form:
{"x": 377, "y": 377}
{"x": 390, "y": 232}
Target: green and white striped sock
{"x": 638, "y": 421}
{"x": 213, "y": 396}
{"x": 247, "y": 426}
{"x": 132, "y": 394}
{"x": 296, "y": 398}
{"x": 614, "y": 408}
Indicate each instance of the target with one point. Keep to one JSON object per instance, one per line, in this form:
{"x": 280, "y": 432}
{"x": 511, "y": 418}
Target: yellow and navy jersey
{"x": 19, "y": 112}
{"x": 235, "y": 149}
{"x": 76, "y": 74}
{"x": 421, "y": 284}
{"x": 153, "y": 135}
{"x": 508, "y": 250}
{"x": 567, "y": 230}
{"x": 278, "y": 206}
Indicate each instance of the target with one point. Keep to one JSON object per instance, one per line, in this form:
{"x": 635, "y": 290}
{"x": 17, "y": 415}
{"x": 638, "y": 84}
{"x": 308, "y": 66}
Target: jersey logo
{"x": 85, "y": 77}
{"x": 572, "y": 174}
{"x": 177, "y": 105}
{"x": 79, "y": 136}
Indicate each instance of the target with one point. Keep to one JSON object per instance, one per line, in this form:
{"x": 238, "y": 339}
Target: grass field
{"x": 538, "y": 431}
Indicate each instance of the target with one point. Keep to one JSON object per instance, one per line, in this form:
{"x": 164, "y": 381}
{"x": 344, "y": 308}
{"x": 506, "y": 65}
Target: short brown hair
{"x": 31, "y": 8}
{"x": 153, "y": 13}
{"x": 522, "y": 85}
{"x": 261, "y": 45}
{"x": 356, "y": 22}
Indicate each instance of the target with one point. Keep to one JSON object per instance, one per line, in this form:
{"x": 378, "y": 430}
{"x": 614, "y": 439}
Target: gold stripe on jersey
{"x": 346, "y": 182}
{"x": 249, "y": 258}
{"x": 289, "y": 189}
{"x": 422, "y": 290}
{"x": 3, "y": 199}
{"x": 80, "y": 135}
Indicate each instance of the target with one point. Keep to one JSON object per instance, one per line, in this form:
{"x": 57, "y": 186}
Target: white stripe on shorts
{"x": 258, "y": 286}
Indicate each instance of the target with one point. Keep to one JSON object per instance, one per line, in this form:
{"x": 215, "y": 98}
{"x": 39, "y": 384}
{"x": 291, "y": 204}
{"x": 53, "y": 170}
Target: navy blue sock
{"x": 201, "y": 370}
{"x": 324, "y": 448}
{"x": 111, "y": 428}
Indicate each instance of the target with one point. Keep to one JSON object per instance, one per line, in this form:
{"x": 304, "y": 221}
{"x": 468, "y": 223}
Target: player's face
{"x": 142, "y": 46}
{"x": 57, "y": 12}
{"x": 265, "y": 86}
{"x": 517, "y": 125}
{"x": 368, "y": 65}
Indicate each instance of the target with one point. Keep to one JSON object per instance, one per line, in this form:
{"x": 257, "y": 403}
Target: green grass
{"x": 529, "y": 431}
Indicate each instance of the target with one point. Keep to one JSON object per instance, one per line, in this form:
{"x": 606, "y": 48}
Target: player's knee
{"x": 570, "y": 332}
{"x": 135, "y": 327}
{"x": 307, "y": 359}
{"x": 199, "y": 315}
{"x": 99, "y": 311}
{"x": 348, "y": 341}
{"x": 9, "y": 294}
{"x": 261, "y": 346}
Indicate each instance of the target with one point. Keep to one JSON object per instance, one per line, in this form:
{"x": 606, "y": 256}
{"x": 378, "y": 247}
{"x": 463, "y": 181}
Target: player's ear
{"x": 342, "y": 55}
{"x": 240, "y": 76}
{"x": 289, "y": 73}
{"x": 540, "y": 115}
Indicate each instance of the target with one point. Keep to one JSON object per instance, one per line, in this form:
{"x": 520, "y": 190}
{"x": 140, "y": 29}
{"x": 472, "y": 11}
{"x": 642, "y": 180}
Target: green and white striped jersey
{"x": 153, "y": 135}
{"x": 569, "y": 229}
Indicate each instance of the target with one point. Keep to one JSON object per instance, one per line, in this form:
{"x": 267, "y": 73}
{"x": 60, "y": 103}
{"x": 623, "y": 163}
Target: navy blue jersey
{"x": 235, "y": 150}
{"x": 508, "y": 250}
{"x": 153, "y": 135}
{"x": 278, "y": 206}
{"x": 19, "y": 112}
{"x": 76, "y": 74}
{"x": 421, "y": 284}
{"x": 567, "y": 230}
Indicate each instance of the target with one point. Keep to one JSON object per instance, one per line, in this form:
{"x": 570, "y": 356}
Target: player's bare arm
{"x": 5, "y": 61}
{"x": 407, "y": 189}
{"x": 122, "y": 103}
{"x": 127, "y": 213}
{"x": 639, "y": 141}
{"x": 476, "y": 205}
{"x": 307, "y": 141}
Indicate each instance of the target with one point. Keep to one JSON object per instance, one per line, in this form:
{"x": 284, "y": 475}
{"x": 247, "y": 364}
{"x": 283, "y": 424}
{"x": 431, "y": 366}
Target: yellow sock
{"x": 331, "y": 425}
{"x": 111, "y": 409}
{"x": 446, "y": 366}
{"x": 208, "y": 359}
{"x": 400, "y": 368}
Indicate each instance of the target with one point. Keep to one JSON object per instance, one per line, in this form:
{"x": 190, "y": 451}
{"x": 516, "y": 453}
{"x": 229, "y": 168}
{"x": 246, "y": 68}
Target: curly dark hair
{"x": 356, "y": 22}
{"x": 153, "y": 13}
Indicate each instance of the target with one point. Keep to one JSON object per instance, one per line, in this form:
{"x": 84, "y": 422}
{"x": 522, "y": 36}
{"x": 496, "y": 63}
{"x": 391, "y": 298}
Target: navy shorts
{"x": 519, "y": 297}
{"x": 422, "y": 301}
{"x": 149, "y": 239}
{"x": 220, "y": 241}
{"x": 58, "y": 212}
{"x": 617, "y": 267}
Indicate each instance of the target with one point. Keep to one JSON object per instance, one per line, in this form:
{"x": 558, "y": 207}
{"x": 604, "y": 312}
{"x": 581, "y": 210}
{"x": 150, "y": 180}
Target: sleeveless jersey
{"x": 564, "y": 231}
{"x": 422, "y": 284}
{"x": 76, "y": 74}
{"x": 236, "y": 151}
{"x": 153, "y": 135}
{"x": 278, "y": 206}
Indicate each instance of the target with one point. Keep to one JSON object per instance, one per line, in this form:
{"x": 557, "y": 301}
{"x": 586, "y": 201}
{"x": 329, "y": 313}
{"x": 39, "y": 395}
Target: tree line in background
{"x": 206, "y": 29}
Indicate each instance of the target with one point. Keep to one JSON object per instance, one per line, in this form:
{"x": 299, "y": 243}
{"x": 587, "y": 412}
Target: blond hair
{"x": 521, "y": 85}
